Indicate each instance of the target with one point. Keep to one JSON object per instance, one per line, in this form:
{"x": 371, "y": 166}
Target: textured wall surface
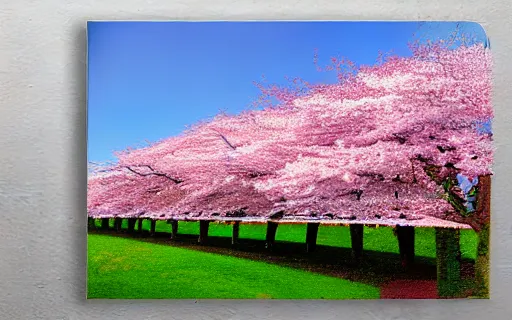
{"x": 43, "y": 158}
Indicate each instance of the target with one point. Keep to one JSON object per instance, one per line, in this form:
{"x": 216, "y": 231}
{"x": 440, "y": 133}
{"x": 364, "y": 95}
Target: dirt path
{"x": 409, "y": 289}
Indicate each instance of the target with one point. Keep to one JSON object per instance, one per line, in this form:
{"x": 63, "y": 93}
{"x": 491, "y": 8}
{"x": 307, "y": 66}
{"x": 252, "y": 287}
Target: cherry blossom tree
{"x": 388, "y": 122}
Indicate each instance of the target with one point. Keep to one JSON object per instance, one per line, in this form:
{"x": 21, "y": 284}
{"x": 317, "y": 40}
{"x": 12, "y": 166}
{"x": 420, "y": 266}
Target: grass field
{"x": 121, "y": 266}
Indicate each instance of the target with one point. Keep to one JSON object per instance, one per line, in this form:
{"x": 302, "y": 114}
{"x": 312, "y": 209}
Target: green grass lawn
{"x": 127, "y": 268}
{"x": 120, "y": 267}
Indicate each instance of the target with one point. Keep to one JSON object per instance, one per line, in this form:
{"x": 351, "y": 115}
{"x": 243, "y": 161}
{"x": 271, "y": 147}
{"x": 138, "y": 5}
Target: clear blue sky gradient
{"x": 149, "y": 80}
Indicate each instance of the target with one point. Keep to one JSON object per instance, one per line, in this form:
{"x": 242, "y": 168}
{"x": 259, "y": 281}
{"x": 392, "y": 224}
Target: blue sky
{"x": 148, "y": 80}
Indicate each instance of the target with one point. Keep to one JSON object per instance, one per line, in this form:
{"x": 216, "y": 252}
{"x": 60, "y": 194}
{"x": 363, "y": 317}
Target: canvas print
{"x": 288, "y": 160}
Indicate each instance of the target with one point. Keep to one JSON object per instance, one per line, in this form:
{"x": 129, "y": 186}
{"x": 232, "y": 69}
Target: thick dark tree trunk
{"x": 311, "y": 236}
{"x": 405, "y": 235}
{"x": 105, "y": 223}
{"x": 356, "y": 237}
{"x": 236, "y": 233}
{"x": 139, "y": 227}
{"x": 448, "y": 262}
{"x": 153, "y": 227}
{"x": 131, "y": 225}
{"x": 174, "y": 229}
{"x": 203, "y": 231}
{"x": 271, "y": 235}
{"x": 482, "y": 262}
{"x": 118, "y": 223}
{"x": 91, "y": 224}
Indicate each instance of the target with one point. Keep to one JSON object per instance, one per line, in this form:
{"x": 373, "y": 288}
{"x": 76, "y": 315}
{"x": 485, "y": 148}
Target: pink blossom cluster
{"x": 354, "y": 150}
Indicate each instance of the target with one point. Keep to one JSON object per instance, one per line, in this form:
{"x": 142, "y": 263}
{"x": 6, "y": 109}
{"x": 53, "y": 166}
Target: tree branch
{"x": 414, "y": 180}
{"x": 227, "y": 142}
{"x": 483, "y": 200}
{"x": 449, "y": 184}
{"x": 154, "y": 173}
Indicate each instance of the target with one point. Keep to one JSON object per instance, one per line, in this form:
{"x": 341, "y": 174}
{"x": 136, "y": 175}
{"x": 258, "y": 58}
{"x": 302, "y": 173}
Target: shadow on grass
{"x": 375, "y": 268}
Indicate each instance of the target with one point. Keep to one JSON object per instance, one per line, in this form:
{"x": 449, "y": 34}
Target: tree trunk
{"x": 118, "y": 223}
{"x": 448, "y": 258}
{"x": 104, "y": 223}
{"x": 356, "y": 237}
{"x": 139, "y": 227}
{"x": 405, "y": 237}
{"x": 153, "y": 227}
{"x": 203, "y": 231}
{"x": 91, "y": 223}
{"x": 482, "y": 262}
{"x": 236, "y": 233}
{"x": 174, "y": 229}
{"x": 131, "y": 225}
{"x": 271, "y": 235}
{"x": 311, "y": 236}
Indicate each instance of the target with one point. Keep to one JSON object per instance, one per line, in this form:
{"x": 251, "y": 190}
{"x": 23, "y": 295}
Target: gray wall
{"x": 43, "y": 158}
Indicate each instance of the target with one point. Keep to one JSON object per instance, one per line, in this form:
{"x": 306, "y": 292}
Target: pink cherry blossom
{"x": 357, "y": 150}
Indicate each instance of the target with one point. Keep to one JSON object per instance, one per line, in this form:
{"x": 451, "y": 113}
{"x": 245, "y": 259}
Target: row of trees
{"x": 402, "y": 139}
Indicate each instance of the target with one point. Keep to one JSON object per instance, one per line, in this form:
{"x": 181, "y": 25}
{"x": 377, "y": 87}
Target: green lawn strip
{"x": 127, "y": 268}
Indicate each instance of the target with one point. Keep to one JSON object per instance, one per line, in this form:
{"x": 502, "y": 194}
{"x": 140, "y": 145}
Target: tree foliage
{"x": 390, "y": 140}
